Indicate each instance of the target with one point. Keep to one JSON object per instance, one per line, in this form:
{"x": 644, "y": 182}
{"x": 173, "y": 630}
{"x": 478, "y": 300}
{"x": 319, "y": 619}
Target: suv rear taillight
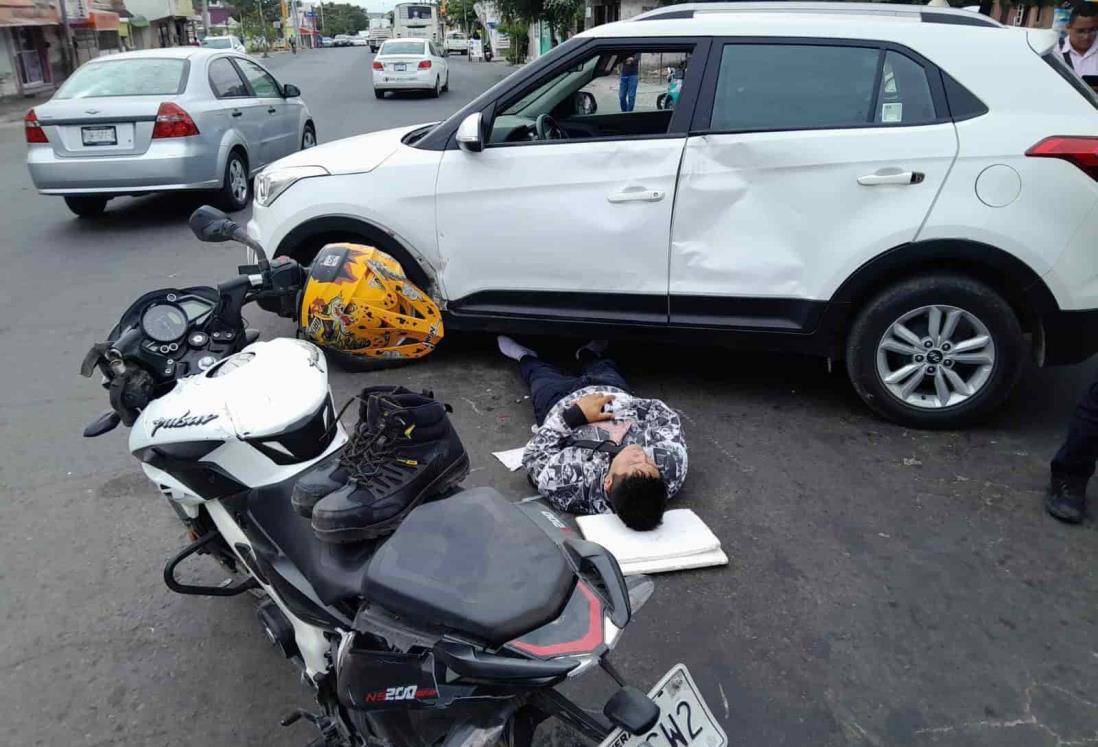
{"x": 1081, "y": 151}
{"x": 378, "y": 65}
{"x": 172, "y": 121}
{"x": 33, "y": 130}
{"x": 425, "y": 65}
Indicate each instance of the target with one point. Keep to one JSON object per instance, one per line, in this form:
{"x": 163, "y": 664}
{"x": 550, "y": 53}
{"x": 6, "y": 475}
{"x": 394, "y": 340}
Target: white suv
{"x": 912, "y": 190}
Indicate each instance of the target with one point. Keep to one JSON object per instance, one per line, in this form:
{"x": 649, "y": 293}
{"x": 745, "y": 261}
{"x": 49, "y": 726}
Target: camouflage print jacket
{"x": 571, "y": 476}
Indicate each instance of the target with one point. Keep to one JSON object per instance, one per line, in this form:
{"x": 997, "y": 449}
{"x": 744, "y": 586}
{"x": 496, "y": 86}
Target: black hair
{"x": 639, "y": 500}
{"x": 1082, "y": 9}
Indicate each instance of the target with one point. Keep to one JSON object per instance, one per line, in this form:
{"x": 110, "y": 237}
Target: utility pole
{"x": 263, "y": 25}
{"x": 293, "y": 21}
{"x": 206, "y": 16}
{"x": 70, "y": 51}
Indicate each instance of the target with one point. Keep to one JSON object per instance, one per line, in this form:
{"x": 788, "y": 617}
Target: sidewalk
{"x": 14, "y": 108}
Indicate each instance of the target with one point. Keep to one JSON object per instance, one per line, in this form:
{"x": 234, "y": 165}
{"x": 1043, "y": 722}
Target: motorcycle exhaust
{"x": 279, "y": 630}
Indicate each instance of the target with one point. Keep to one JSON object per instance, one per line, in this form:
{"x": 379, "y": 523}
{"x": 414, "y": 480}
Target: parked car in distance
{"x": 360, "y": 41}
{"x": 850, "y": 181}
{"x": 160, "y": 120}
{"x": 410, "y": 64}
{"x": 326, "y": 41}
{"x": 225, "y": 42}
{"x": 343, "y": 40}
{"x": 456, "y": 41}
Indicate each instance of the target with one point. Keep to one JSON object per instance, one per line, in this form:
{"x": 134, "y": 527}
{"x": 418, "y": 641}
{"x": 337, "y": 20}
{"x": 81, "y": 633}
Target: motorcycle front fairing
{"x": 229, "y": 429}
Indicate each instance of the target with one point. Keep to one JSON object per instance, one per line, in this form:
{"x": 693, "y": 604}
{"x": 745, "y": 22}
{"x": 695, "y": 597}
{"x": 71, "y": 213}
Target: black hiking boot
{"x": 417, "y": 455}
{"x": 1067, "y": 499}
{"x": 331, "y": 474}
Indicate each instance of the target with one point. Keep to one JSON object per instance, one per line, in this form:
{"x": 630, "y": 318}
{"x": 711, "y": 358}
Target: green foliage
{"x": 343, "y": 18}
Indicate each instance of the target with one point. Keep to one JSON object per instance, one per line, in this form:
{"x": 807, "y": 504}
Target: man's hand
{"x": 591, "y": 406}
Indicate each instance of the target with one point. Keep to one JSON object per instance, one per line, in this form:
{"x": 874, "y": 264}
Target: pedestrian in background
{"x": 627, "y": 86}
{"x": 1073, "y": 465}
{"x": 1080, "y": 48}
{"x": 293, "y": 44}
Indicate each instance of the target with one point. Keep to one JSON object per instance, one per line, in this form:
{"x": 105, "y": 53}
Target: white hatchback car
{"x": 849, "y": 181}
{"x": 410, "y": 65}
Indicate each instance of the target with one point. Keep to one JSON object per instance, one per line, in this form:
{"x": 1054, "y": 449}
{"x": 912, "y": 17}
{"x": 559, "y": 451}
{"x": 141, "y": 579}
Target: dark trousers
{"x": 549, "y": 385}
{"x": 1077, "y": 456}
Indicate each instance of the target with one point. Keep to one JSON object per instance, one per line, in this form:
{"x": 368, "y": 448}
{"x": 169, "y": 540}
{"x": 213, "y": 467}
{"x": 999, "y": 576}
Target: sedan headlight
{"x": 272, "y": 182}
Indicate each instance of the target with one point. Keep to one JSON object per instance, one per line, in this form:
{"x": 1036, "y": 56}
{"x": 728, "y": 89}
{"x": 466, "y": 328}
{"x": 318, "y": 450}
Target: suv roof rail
{"x": 951, "y": 16}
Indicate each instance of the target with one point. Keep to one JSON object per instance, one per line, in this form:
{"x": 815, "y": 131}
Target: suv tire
{"x": 938, "y": 351}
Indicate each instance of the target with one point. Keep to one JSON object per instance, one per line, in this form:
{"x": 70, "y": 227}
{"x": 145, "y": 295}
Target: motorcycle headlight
{"x": 272, "y": 182}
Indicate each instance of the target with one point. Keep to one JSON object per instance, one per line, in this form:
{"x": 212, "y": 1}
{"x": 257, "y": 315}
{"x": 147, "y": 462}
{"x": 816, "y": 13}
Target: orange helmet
{"x": 357, "y": 300}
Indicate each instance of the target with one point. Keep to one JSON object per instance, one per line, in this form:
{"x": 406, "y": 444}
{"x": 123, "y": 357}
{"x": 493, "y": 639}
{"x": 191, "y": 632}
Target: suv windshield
{"x": 403, "y": 47}
{"x": 137, "y": 76}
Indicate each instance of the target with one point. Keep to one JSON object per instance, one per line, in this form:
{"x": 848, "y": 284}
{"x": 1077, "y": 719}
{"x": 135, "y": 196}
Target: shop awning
{"x": 30, "y": 16}
{"x": 100, "y": 20}
{"x": 139, "y": 22}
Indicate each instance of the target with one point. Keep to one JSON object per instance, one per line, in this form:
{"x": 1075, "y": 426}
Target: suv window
{"x": 261, "y": 82}
{"x": 225, "y": 80}
{"x": 794, "y": 87}
{"x": 609, "y": 94}
{"x": 905, "y": 96}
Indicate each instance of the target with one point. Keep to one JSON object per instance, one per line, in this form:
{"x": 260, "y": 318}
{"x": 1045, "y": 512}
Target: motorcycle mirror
{"x": 211, "y": 225}
{"x": 105, "y": 423}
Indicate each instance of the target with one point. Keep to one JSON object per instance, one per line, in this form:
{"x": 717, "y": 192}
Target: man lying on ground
{"x": 597, "y": 447}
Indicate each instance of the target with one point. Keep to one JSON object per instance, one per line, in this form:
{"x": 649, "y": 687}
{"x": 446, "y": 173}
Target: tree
{"x": 343, "y": 18}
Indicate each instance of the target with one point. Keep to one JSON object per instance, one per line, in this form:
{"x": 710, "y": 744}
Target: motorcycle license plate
{"x": 685, "y": 719}
{"x": 99, "y": 135}
{"x": 399, "y": 67}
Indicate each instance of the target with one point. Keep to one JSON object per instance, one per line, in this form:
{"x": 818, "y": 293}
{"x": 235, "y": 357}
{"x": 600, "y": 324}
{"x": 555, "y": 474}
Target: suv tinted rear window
{"x": 794, "y": 87}
{"x": 137, "y": 76}
{"x": 1052, "y": 57}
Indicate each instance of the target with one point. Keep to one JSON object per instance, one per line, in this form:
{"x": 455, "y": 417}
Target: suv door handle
{"x": 891, "y": 177}
{"x": 636, "y": 195}
{"x": 238, "y": 113}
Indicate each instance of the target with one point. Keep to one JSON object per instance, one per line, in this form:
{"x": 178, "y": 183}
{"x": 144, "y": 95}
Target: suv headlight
{"x": 272, "y": 182}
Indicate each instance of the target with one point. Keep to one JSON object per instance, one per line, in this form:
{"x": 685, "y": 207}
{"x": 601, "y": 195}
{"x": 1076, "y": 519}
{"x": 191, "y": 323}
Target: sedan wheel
{"x": 308, "y": 140}
{"x": 437, "y": 91}
{"x": 236, "y": 190}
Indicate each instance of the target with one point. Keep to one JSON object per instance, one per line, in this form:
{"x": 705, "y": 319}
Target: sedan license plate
{"x": 685, "y": 720}
{"x": 399, "y": 67}
{"x": 99, "y": 135}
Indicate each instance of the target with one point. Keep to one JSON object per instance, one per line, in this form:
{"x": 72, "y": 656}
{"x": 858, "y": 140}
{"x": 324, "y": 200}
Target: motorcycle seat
{"x": 473, "y": 563}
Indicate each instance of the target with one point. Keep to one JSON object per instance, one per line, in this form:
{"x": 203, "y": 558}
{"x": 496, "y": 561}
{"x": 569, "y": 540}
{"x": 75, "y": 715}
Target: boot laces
{"x": 380, "y": 450}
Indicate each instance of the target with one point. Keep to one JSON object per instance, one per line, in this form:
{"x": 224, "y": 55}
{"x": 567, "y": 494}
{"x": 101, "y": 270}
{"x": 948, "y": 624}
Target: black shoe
{"x": 416, "y": 456}
{"x": 1067, "y": 499}
{"x": 331, "y": 474}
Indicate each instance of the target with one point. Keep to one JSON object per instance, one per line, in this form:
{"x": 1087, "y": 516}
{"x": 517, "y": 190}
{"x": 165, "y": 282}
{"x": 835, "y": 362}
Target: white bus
{"x": 417, "y": 21}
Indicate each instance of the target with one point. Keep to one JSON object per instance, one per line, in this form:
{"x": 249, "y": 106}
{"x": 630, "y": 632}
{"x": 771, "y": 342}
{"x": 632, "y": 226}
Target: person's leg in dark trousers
{"x": 598, "y": 370}
{"x": 1073, "y": 465}
{"x": 548, "y": 384}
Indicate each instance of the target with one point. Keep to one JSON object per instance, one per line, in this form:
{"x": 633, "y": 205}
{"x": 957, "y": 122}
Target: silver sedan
{"x": 163, "y": 120}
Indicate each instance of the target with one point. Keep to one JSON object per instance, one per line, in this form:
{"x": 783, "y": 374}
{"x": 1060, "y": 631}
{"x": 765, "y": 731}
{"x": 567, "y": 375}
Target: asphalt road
{"x": 886, "y": 586}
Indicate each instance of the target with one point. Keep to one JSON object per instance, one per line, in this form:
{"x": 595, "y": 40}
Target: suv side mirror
{"x": 584, "y": 103}
{"x": 468, "y": 134}
{"x": 289, "y": 91}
